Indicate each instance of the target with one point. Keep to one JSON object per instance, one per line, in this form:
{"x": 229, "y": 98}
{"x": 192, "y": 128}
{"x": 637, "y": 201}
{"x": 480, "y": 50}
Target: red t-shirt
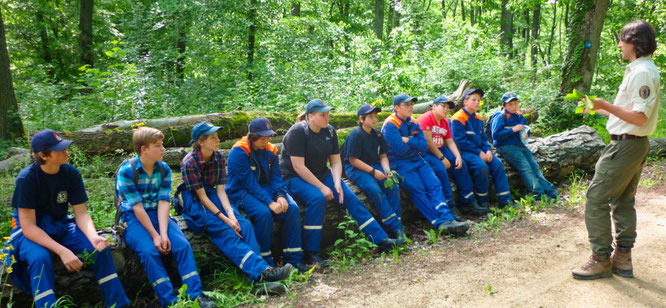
{"x": 440, "y": 130}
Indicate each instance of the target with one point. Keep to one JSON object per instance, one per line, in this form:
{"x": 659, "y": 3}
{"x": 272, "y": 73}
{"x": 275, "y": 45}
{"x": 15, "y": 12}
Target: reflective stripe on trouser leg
{"x": 358, "y": 211}
{"x": 290, "y": 232}
{"x": 262, "y": 221}
{"x": 184, "y": 256}
{"x": 461, "y": 177}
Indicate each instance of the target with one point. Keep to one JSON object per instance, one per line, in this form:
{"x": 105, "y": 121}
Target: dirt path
{"x": 527, "y": 264}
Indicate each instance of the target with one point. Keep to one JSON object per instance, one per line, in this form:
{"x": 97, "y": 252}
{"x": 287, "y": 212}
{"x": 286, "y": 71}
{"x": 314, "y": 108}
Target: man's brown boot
{"x": 621, "y": 262}
{"x": 597, "y": 267}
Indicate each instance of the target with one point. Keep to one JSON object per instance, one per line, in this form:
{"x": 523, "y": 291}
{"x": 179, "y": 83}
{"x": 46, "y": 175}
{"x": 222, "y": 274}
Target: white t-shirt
{"x": 639, "y": 92}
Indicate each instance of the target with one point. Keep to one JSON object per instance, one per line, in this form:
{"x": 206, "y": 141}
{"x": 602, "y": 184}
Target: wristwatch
{"x": 442, "y": 158}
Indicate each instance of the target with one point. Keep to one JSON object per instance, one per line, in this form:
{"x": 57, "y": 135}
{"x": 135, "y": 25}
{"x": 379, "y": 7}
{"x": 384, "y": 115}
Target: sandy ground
{"x": 525, "y": 264}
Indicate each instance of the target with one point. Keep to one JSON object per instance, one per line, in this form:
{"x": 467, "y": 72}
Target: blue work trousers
{"x": 424, "y": 189}
{"x": 315, "y": 207}
{"x": 521, "y": 159}
{"x": 244, "y": 252}
{"x": 386, "y": 201}
{"x": 33, "y": 270}
{"x": 480, "y": 171}
{"x": 262, "y": 218}
{"x": 138, "y": 240}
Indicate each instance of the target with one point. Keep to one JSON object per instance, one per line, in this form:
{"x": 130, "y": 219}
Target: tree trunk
{"x": 536, "y": 20}
{"x": 86, "y": 28}
{"x": 583, "y": 37}
{"x": 462, "y": 10}
{"x": 379, "y": 19}
{"x": 506, "y": 27}
{"x": 396, "y": 13}
{"x": 181, "y": 45}
{"x": 252, "y": 16}
{"x": 11, "y": 126}
{"x": 552, "y": 34}
{"x": 456, "y": 97}
{"x": 443, "y": 9}
{"x": 296, "y": 8}
{"x": 108, "y": 137}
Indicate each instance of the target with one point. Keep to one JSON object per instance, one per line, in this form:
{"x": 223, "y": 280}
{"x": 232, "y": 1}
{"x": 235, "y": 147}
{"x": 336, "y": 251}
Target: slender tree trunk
{"x": 296, "y": 8}
{"x": 506, "y": 27}
{"x": 536, "y": 20}
{"x": 181, "y": 45}
{"x": 552, "y": 34}
{"x": 455, "y": 6}
{"x": 462, "y": 10}
{"x": 583, "y": 37}
{"x": 389, "y": 18}
{"x": 252, "y": 16}
{"x": 11, "y": 126}
{"x": 471, "y": 15}
{"x": 396, "y": 13}
{"x": 443, "y": 9}
{"x": 379, "y": 19}
{"x": 86, "y": 28}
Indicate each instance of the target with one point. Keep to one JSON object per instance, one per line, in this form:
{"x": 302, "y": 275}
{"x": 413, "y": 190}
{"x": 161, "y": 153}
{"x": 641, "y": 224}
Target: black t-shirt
{"x": 314, "y": 147}
{"x": 365, "y": 146}
{"x": 48, "y": 194}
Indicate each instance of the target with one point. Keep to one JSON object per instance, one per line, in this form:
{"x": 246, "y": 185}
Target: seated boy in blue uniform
{"x": 150, "y": 231}
{"x": 467, "y": 127}
{"x": 506, "y": 128}
{"x": 44, "y": 191}
{"x": 406, "y": 141}
{"x": 366, "y": 164}
{"x": 206, "y": 209}
{"x": 444, "y": 158}
{"x": 256, "y": 187}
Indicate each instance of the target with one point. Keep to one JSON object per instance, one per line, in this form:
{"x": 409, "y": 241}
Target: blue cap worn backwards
{"x": 262, "y": 127}
{"x": 443, "y": 99}
{"x": 317, "y": 105}
{"x": 367, "y": 109}
{"x": 509, "y": 96}
{"x": 202, "y": 128}
{"x": 403, "y": 98}
{"x": 48, "y": 139}
{"x": 473, "y": 91}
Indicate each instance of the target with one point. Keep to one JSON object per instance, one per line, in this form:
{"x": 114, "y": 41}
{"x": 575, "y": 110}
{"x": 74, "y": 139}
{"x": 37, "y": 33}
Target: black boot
{"x": 453, "y": 227}
{"x": 276, "y": 273}
{"x": 399, "y": 235}
{"x": 455, "y": 213}
{"x": 474, "y": 208}
{"x": 205, "y": 302}
{"x": 387, "y": 244}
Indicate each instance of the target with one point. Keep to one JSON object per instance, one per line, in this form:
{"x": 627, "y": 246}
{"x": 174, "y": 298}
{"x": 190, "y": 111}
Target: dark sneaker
{"x": 453, "y": 227}
{"x": 621, "y": 262}
{"x": 269, "y": 288}
{"x": 205, "y": 302}
{"x": 312, "y": 259}
{"x": 276, "y": 273}
{"x": 387, "y": 244}
{"x": 474, "y": 208}
{"x": 399, "y": 234}
{"x": 455, "y": 213}
{"x": 302, "y": 268}
{"x": 595, "y": 268}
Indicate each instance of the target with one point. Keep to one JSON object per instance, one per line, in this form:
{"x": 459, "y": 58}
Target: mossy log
{"x": 109, "y": 138}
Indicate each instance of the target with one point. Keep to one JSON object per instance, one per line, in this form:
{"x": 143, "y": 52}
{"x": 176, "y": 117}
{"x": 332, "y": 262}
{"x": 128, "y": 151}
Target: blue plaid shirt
{"x": 149, "y": 189}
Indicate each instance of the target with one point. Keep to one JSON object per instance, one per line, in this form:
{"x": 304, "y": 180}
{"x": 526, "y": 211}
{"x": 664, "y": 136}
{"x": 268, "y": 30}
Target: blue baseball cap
{"x": 443, "y": 99}
{"x": 509, "y": 96}
{"x": 367, "y": 109}
{"x": 473, "y": 91}
{"x": 48, "y": 139}
{"x": 317, "y": 105}
{"x": 403, "y": 98}
{"x": 202, "y": 128}
{"x": 262, "y": 127}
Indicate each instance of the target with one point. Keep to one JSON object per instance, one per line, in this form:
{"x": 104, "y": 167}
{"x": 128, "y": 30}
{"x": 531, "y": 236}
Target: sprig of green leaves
{"x": 585, "y": 101}
{"x": 388, "y": 183}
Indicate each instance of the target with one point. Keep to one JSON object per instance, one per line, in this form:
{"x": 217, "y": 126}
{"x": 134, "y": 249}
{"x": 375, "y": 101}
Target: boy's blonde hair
{"x": 145, "y": 136}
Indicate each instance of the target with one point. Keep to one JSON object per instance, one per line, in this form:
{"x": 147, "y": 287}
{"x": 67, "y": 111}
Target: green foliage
{"x": 433, "y": 235}
{"x": 352, "y": 248}
{"x": 394, "y": 180}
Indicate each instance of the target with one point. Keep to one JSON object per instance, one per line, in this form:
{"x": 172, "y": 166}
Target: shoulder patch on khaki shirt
{"x": 644, "y": 92}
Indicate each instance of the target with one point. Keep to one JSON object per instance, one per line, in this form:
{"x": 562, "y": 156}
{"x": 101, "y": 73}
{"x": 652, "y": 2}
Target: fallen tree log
{"x": 558, "y": 155}
{"x": 109, "y": 138}
{"x": 455, "y": 97}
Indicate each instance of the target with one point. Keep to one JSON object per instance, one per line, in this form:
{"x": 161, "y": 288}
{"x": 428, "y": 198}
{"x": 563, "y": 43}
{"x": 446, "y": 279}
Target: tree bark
{"x": 296, "y": 8}
{"x": 462, "y": 10}
{"x": 11, "y": 126}
{"x": 536, "y": 20}
{"x": 456, "y": 97}
{"x": 252, "y": 16}
{"x": 86, "y": 28}
{"x": 552, "y": 34}
{"x": 379, "y": 19}
{"x": 396, "y": 13}
{"x": 583, "y": 37}
{"x": 181, "y": 45}
{"x": 506, "y": 27}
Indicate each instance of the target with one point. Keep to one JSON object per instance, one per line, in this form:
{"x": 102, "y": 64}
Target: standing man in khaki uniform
{"x": 631, "y": 118}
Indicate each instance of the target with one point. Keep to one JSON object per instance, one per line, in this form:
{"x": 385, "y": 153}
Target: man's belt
{"x": 625, "y": 137}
